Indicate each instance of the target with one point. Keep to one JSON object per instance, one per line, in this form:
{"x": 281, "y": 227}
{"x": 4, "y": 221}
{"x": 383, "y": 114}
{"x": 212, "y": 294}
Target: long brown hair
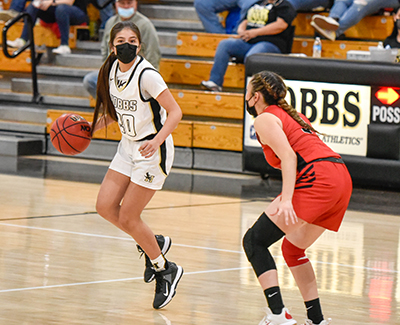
{"x": 104, "y": 105}
{"x": 273, "y": 89}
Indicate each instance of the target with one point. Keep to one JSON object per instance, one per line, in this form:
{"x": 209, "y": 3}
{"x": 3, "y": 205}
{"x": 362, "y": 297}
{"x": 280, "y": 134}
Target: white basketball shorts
{"x": 147, "y": 172}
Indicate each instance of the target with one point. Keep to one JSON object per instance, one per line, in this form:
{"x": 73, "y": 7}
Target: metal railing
{"x": 36, "y": 97}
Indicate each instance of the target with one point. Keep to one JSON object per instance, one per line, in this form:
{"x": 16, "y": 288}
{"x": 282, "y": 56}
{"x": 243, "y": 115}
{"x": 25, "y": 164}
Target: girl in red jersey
{"x": 316, "y": 190}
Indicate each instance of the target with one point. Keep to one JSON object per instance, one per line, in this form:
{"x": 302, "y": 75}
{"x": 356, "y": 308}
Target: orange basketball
{"x": 70, "y": 134}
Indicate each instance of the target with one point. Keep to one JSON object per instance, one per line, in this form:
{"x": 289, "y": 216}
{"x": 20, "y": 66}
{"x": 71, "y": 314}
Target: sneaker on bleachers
{"x": 6, "y": 15}
{"x": 324, "y": 322}
{"x": 325, "y": 22}
{"x": 211, "y": 85}
{"x": 62, "y": 49}
{"x": 17, "y": 43}
{"x": 329, "y": 34}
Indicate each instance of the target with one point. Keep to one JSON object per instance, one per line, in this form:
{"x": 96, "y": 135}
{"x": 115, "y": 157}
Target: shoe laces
{"x": 140, "y": 250}
{"x": 159, "y": 282}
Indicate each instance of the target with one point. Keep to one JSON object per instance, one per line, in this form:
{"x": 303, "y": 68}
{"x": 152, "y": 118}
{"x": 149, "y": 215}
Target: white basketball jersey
{"x": 138, "y": 117}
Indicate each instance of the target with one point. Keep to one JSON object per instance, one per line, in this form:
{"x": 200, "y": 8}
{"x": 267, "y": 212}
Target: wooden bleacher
{"x": 371, "y": 28}
{"x": 205, "y": 45}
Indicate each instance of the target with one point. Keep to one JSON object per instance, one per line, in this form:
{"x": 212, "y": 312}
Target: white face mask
{"x": 126, "y": 13}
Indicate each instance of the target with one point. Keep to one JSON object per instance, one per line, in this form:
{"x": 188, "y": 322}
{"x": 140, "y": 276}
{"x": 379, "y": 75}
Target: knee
{"x": 62, "y": 11}
{"x": 88, "y": 81}
{"x": 101, "y": 208}
{"x": 248, "y": 243}
{"x": 293, "y": 255}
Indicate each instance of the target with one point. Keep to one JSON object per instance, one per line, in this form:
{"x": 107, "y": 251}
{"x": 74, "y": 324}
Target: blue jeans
{"x": 18, "y": 5}
{"x": 90, "y": 82}
{"x": 308, "y": 5}
{"x": 234, "y": 47}
{"x": 105, "y": 13}
{"x": 64, "y": 15}
{"x": 350, "y": 12}
{"x": 207, "y": 11}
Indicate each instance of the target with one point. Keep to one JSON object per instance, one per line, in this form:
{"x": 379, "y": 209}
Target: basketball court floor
{"x": 61, "y": 263}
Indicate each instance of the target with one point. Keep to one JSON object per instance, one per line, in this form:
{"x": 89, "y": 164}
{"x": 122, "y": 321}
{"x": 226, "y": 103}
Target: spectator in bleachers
{"x": 266, "y": 29}
{"x": 150, "y": 49}
{"x": 18, "y": 6}
{"x": 63, "y": 12}
{"x": 347, "y": 13}
{"x": 310, "y": 5}
{"x": 208, "y": 11}
{"x": 393, "y": 40}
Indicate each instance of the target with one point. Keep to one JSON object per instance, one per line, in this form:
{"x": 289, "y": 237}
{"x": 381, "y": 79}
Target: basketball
{"x": 70, "y": 134}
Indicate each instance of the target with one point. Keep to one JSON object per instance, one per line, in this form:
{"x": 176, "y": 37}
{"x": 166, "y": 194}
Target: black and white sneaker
{"x": 165, "y": 245}
{"x": 166, "y": 282}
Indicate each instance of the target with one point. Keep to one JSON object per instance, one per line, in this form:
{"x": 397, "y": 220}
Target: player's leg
{"x": 109, "y": 198}
{"x": 293, "y": 250}
{"x": 256, "y": 242}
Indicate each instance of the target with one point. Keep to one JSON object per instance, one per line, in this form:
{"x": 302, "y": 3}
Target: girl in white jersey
{"x": 131, "y": 92}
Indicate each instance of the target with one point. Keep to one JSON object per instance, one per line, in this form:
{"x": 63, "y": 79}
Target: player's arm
{"x": 102, "y": 123}
{"x": 270, "y": 131}
{"x": 174, "y": 115}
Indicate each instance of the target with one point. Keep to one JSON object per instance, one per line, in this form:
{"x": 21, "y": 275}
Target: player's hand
{"x": 285, "y": 210}
{"x": 149, "y": 148}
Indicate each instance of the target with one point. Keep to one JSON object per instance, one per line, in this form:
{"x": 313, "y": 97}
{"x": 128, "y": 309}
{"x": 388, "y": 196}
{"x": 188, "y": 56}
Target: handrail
{"x": 36, "y": 98}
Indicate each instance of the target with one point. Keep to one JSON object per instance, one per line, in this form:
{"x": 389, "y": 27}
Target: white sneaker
{"x": 6, "y": 15}
{"x": 324, "y": 322}
{"x": 19, "y": 42}
{"x": 325, "y": 22}
{"x": 284, "y": 318}
{"x": 62, "y": 49}
{"x": 211, "y": 85}
{"x": 329, "y": 34}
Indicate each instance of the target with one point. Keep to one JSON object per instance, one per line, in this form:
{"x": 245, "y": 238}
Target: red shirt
{"x": 305, "y": 143}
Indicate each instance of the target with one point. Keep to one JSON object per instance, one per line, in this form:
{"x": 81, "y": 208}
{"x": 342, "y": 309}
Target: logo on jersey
{"x": 148, "y": 178}
{"x": 121, "y": 83}
{"x": 124, "y": 104}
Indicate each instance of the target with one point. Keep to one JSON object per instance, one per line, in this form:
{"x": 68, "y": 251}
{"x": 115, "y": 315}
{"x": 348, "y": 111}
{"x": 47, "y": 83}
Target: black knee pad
{"x": 256, "y": 241}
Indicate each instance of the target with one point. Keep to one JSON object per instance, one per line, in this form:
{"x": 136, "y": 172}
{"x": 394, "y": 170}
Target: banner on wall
{"x": 340, "y": 111}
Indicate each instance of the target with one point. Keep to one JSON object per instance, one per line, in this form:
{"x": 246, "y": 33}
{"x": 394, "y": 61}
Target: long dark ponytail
{"x": 104, "y": 105}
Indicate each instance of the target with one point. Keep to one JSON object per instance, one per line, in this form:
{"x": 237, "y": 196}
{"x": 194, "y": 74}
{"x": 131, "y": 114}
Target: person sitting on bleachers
{"x": 266, "y": 29}
{"x": 393, "y": 40}
{"x": 63, "y": 12}
{"x": 127, "y": 10}
{"x": 208, "y": 11}
{"x": 18, "y": 6}
{"x": 347, "y": 13}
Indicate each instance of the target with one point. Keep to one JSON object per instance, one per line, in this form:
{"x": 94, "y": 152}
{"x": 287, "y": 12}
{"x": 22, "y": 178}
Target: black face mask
{"x": 126, "y": 52}
{"x": 251, "y": 109}
{"x": 398, "y": 23}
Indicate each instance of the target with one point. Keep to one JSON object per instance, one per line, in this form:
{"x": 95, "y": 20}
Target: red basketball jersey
{"x": 306, "y": 144}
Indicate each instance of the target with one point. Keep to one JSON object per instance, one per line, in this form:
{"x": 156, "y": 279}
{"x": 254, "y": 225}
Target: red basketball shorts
{"x": 322, "y": 194}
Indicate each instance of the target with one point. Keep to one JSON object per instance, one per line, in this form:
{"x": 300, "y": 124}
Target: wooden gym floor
{"x": 61, "y": 263}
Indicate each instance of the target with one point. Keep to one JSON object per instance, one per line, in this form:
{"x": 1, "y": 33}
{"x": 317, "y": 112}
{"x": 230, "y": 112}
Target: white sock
{"x": 159, "y": 263}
